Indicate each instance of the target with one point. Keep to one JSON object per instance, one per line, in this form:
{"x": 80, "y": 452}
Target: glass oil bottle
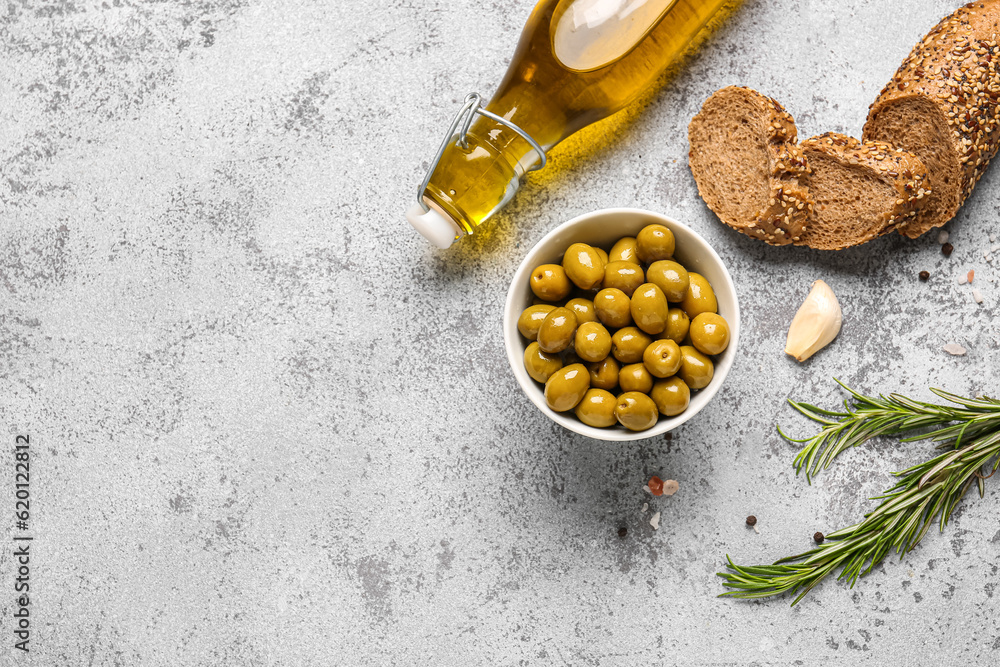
{"x": 577, "y": 62}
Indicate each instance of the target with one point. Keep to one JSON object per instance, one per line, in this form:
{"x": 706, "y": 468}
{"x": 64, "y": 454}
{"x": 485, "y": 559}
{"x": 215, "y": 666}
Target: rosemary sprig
{"x": 924, "y": 494}
{"x": 869, "y": 417}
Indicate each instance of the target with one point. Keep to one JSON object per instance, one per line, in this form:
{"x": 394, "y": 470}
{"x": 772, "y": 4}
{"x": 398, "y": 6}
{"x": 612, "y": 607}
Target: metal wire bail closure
{"x": 461, "y": 124}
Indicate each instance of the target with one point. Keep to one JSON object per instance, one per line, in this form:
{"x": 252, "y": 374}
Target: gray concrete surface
{"x": 272, "y": 426}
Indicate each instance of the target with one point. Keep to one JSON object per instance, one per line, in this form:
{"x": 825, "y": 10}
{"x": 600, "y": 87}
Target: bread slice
{"x": 942, "y": 106}
{"x": 745, "y": 160}
{"x": 860, "y": 190}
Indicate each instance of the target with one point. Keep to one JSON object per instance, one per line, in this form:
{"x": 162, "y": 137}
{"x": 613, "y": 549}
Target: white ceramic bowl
{"x": 602, "y": 228}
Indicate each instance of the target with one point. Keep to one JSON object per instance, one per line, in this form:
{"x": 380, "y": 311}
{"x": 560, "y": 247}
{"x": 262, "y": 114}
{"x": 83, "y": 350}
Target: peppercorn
{"x": 622, "y": 532}
{"x": 946, "y": 249}
{"x": 655, "y": 486}
{"x": 751, "y": 520}
{"x": 818, "y": 537}
{"x": 924, "y": 275}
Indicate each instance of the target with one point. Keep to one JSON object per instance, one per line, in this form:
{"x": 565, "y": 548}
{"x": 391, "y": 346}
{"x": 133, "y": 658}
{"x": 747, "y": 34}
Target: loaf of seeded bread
{"x": 942, "y": 106}
{"x": 747, "y": 165}
{"x": 928, "y": 139}
{"x": 859, "y": 190}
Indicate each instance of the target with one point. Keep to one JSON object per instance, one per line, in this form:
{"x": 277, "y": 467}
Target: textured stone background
{"x": 273, "y": 426}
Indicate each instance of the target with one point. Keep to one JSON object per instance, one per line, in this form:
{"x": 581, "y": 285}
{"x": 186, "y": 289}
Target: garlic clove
{"x": 816, "y": 323}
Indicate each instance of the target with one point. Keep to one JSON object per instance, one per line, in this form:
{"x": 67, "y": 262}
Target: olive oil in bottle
{"x": 577, "y": 62}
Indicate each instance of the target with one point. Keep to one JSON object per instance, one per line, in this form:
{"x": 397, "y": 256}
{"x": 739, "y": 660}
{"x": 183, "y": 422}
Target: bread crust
{"x": 955, "y": 68}
{"x": 785, "y": 215}
{"x": 891, "y": 165}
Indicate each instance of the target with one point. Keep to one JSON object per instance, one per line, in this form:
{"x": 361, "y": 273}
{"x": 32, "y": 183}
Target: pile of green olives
{"x": 622, "y": 336}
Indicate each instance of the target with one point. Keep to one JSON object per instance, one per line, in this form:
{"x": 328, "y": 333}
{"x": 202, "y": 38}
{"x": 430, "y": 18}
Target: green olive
{"x": 597, "y": 408}
{"x": 531, "y": 319}
{"x": 613, "y": 308}
{"x": 628, "y": 344}
{"x": 653, "y": 243}
{"x": 604, "y": 374}
{"x": 592, "y": 341}
{"x": 540, "y": 366}
{"x": 696, "y": 369}
{"x": 549, "y": 282}
{"x": 662, "y": 358}
{"x": 636, "y": 411}
{"x": 557, "y": 330}
{"x": 625, "y": 276}
{"x": 649, "y": 309}
{"x": 670, "y": 277}
{"x": 623, "y": 251}
{"x": 635, "y": 377}
{"x": 583, "y": 266}
{"x": 603, "y": 254}
{"x": 677, "y": 325}
{"x": 566, "y": 387}
{"x": 710, "y": 333}
{"x": 699, "y": 298}
{"x": 671, "y": 396}
{"x": 583, "y": 309}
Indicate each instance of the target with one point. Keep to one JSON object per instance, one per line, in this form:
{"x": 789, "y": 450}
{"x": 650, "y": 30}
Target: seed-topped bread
{"x": 747, "y": 165}
{"x": 860, "y": 190}
{"x": 942, "y": 106}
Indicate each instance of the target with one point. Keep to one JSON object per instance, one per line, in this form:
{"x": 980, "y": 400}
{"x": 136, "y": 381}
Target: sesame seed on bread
{"x": 860, "y": 190}
{"x": 942, "y": 106}
{"x": 747, "y": 166}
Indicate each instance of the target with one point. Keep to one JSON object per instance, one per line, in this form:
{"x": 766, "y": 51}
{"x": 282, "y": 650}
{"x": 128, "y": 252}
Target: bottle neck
{"x": 471, "y": 183}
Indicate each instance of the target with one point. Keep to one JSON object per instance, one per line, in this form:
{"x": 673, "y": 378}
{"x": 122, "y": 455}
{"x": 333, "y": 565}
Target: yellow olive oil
{"x": 577, "y": 62}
